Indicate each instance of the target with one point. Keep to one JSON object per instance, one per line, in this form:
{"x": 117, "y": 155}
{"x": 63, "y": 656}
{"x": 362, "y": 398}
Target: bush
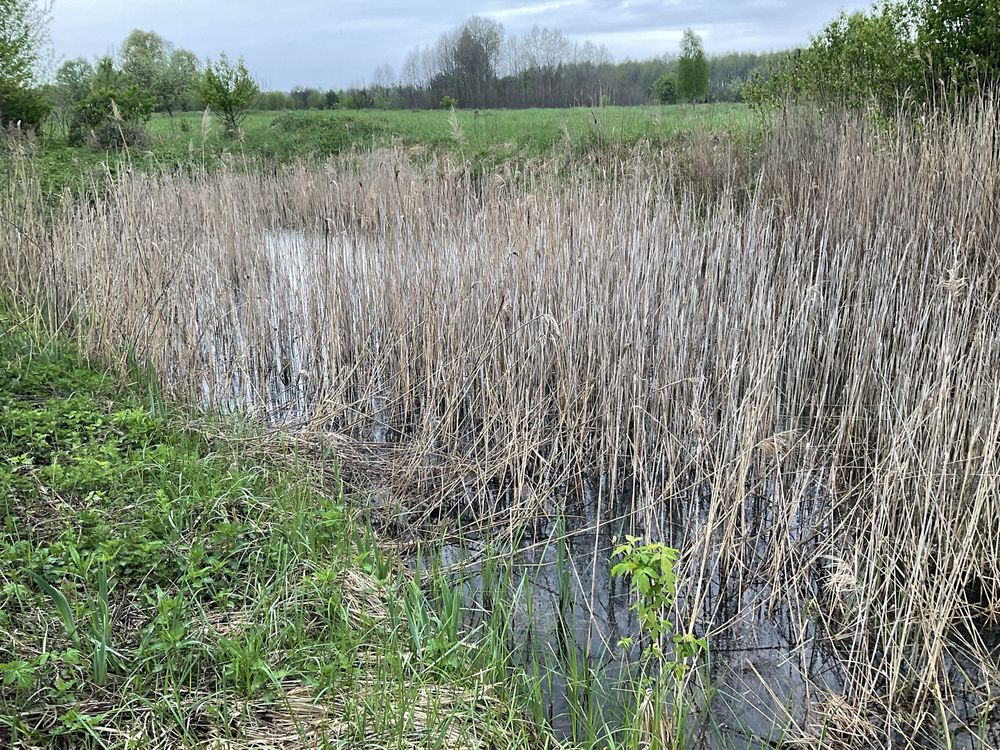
{"x": 859, "y": 59}
{"x": 25, "y": 106}
{"x": 893, "y": 55}
{"x": 319, "y": 134}
{"x": 111, "y": 118}
{"x": 664, "y": 89}
{"x": 112, "y": 135}
{"x": 358, "y": 99}
{"x": 275, "y": 101}
{"x": 960, "y": 39}
{"x": 449, "y": 102}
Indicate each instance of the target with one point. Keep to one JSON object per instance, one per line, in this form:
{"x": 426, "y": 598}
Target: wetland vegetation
{"x": 661, "y": 427}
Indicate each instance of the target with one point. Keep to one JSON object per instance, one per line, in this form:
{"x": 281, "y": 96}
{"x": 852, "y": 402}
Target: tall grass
{"x": 801, "y": 362}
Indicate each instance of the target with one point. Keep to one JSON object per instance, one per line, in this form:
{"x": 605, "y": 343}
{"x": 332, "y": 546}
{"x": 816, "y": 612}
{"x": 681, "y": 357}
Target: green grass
{"x": 157, "y": 582}
{"x": 502, "y": 133}
{"x": 488, "y": 137}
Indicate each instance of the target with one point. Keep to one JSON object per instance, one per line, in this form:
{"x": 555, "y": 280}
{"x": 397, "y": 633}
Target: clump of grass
{"x": 457, "y": 133}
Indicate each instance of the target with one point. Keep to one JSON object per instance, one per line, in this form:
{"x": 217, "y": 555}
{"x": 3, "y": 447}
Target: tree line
{"x": 478, "y": 66}
{"x": 896, "y": 53}
{"x": 540, "y": 69}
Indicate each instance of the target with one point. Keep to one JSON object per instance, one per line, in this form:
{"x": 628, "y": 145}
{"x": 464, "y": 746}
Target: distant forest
{"x": 478, "y": 65}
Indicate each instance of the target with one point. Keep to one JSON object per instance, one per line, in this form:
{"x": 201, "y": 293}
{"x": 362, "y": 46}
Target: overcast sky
{"x": 338, "y": 43}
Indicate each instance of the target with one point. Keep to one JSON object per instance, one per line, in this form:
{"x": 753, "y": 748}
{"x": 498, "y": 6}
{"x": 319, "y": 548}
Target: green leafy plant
{"x": 649, "y": 570}
{"x": 19, "y": 674}
{"x": 663, "y": 694}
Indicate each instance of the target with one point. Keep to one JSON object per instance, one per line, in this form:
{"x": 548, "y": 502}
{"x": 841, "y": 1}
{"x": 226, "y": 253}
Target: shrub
{"x": 358, "y": 99}
{"x": 111, "y": 118}
{"x": 960, "y": 39}
{"x": 315, "y": 133}
{"x": 856, "y": 60}
{"x": 26, "y": 106}
{"x": 449, "y": 102}
{"x": 274, "y": 101}
{"x": 114, "y": 135}
{"x": 664, "y": 89}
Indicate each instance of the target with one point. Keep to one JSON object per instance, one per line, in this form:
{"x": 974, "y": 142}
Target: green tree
{"x": 153, "y": 64}
{"x": 177, "y": 81}
{"x": 316, "y": 100}
{"x": 27, "y": 107}
{"x": 114, "y": 112}
{"x": 75, "y": 77}
{"x": 144, "y": 56}
{"x": 664, "y": 90}
{"x": 73, "y": 81}
{"x": 301, "y": 96}
{"x": 106, "y": 75}
{"x": 111, "y": 118}
{"x": 357, "y": 98}
{"x": 273, "y": 101}
{"x": 692, "y": 68}
{"x": 900, "y": 51}
{"x": 229, "y": 90}
{"x": 23, "y": 37}
{"x": 960, "y": 40}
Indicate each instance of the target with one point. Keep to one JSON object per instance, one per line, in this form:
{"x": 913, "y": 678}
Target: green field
{"x": 483, "y": 138}
{"x": 502, "y": 133}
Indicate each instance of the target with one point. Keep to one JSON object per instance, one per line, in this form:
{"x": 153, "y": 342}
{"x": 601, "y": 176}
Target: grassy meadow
{"x": 249, "y": 405}
{"x": 498, "y": 133}
{"x": 485, "y": 138}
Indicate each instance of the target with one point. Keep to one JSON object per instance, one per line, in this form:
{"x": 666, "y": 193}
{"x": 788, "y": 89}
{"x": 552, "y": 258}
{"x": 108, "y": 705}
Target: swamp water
{"x": 774, "y": 670}
{"x": 776, "y": 659}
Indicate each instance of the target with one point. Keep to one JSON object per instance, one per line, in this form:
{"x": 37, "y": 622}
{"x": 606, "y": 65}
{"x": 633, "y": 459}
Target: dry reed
{"x": 822, "y": 355}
